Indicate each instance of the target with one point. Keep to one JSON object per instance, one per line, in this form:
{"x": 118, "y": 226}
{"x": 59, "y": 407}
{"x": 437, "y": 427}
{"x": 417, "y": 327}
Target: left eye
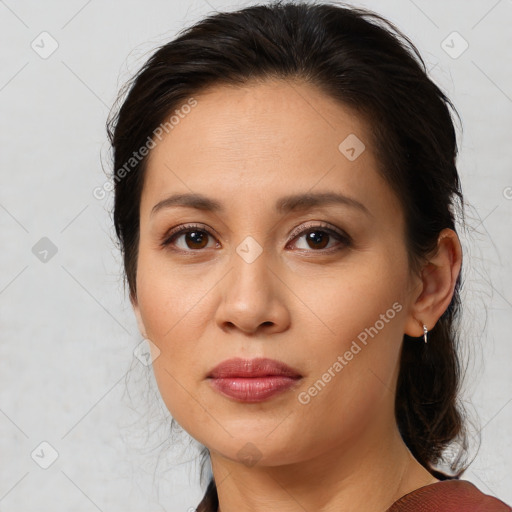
{"x": 317, "y": 237}
{"x": 195, "y": 238}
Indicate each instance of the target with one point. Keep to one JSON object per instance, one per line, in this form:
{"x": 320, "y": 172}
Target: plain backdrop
{"x": 82, "y": 426}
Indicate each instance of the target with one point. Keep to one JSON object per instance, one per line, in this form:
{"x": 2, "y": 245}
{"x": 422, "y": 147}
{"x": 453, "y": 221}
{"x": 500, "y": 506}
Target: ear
{"x": 136, "y": 310}
{"x": 438, "y": 279}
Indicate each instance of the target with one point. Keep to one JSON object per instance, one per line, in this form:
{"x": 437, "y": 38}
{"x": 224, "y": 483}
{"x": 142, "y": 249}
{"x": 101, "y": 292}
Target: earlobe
{"x": 438, "y": 279}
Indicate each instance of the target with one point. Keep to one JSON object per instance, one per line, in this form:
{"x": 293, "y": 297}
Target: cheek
{"x": 177, "y": 367}
{"x": 357, "y": 301}
{"x": 174, "y": 314}
{"x": 167, "y": 297}
{"x": 356, "y": 336}
{"x": 353, "y": 377}
{"x": 170, "y": 315}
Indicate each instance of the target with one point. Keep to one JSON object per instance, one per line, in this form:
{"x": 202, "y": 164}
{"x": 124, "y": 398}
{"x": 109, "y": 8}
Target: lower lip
{"x": 254, "y": 389}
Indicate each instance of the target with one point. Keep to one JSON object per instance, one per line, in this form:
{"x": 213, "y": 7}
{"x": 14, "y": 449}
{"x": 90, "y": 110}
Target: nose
{"x": 253, "y": 295}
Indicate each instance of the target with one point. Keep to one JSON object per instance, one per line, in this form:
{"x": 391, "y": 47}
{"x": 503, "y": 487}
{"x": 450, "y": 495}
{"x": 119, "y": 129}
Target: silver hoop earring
{"x": 425, "y": 332}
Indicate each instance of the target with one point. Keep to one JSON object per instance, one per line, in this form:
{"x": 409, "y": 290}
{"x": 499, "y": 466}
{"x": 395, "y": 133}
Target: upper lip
{"x": 259, "y": 367}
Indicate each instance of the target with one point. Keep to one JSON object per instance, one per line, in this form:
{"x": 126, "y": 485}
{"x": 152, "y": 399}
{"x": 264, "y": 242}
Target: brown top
{"x": 448, "y": 496}
{"x": 445, "y": 496}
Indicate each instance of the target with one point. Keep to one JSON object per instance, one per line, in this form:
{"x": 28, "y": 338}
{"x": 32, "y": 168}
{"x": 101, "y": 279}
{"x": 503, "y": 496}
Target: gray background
{"x": 68, "y": 374}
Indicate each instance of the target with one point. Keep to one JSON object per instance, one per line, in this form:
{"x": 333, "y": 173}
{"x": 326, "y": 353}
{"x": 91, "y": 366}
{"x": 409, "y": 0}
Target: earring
{"x": 425, "y": 331}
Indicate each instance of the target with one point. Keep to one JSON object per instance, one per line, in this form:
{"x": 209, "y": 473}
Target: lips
{"x": 252, "y": 380}
{"x": 252, "y": 368}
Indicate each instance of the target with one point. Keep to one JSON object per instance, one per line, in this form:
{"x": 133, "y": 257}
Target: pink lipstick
{"x": 252, "y": 380}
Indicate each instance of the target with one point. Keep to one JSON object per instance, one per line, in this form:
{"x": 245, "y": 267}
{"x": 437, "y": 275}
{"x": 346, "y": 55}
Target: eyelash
{"x": 189, "y": 228}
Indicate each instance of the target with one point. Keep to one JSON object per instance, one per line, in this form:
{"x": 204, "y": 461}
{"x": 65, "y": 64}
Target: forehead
{"x": 257, "y": 139}
{"x": 266, "y": 118}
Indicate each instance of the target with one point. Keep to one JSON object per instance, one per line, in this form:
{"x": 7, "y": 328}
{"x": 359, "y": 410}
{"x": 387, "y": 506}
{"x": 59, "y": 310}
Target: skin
{"x": 246, "y": 147}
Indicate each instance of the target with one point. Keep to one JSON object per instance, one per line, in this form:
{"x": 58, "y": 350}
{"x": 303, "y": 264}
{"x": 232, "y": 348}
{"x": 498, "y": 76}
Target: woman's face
{"x": 261, "y": 276}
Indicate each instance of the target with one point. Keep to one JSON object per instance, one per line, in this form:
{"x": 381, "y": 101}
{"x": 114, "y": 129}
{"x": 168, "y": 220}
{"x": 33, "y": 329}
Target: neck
{"x": 369, "y": 473}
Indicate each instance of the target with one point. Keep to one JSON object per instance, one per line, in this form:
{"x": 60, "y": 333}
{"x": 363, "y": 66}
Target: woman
{"x": 285, "y": 198}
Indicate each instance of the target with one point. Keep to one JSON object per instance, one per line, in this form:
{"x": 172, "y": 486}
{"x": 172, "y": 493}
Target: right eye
{"x": 194, "y": 237}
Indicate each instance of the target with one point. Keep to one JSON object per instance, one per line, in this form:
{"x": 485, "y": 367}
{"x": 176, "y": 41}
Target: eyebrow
{"x": 286, "y": 204}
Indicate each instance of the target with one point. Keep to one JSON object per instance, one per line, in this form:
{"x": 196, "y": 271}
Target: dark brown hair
{"x": 363, "y": 61}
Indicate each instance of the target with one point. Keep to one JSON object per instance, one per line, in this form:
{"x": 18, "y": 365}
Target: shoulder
{"x": 449, "y": 496}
